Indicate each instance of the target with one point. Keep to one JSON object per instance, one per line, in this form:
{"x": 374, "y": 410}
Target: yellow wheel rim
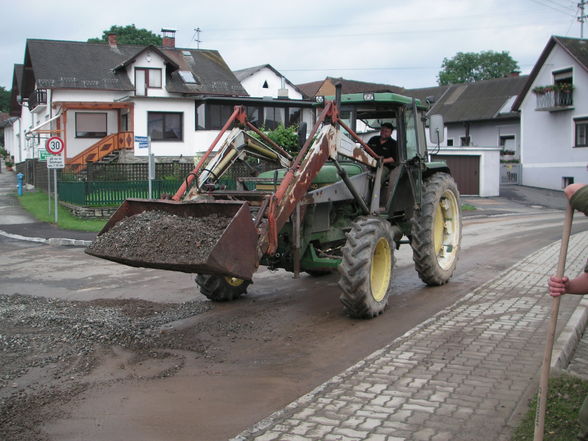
{"x": 381, "y": 269}
{"x": 446, "y": 229}
{"x": 234, "y": 281}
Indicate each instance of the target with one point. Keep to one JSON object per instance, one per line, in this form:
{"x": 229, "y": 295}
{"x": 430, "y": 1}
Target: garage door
{"x": 465, "y": 170}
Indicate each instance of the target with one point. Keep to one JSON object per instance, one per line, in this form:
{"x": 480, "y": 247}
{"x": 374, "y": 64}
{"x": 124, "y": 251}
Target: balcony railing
{"x": 555, "y": 100}
{"x": 37, "y": 98}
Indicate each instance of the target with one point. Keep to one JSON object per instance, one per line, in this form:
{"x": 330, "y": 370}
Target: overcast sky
{"x": 400, "y": 42}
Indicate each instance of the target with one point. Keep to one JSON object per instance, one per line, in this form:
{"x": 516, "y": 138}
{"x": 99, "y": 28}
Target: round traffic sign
{"x": 54, "y": 145}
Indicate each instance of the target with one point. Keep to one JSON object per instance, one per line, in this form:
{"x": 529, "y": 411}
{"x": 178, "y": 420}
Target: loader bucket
{"x": 193, "y": 237}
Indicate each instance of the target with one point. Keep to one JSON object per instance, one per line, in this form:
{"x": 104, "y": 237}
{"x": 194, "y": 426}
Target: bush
{"x": 285, "y": 137}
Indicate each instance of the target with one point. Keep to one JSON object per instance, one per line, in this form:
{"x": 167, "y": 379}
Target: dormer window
{"x": 146, "y": 79}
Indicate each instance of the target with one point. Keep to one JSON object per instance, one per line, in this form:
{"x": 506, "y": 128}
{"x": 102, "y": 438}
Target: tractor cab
{"x": 364, "y": 114}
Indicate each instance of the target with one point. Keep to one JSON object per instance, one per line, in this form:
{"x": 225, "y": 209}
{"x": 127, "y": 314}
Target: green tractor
{"x": 336, "y": 206}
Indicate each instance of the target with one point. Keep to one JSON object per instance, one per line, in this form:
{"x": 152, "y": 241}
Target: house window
{"x": 90, "y": 125}
{"x": 217, "y": 115}
{"x": 273, "y": 117}
{"x": 294, "y": 116}
{"x": 146, "y": 79}
{"x": 124, "y": 122}
{"x": 566, "y": 180}
{"x": 449, "y": 142}
{"x": 213, "y": 116}
{"x": 165, "y": 126}
{"x": 465, "y": 141}
{"x": 507, "y": 142}
{"x": 265, "y": 85}
{"x": 581, "y": 132}
{"x": 564, "y": 86}
{"x": 563, "y": 76}
{"x": 200, "y": 114}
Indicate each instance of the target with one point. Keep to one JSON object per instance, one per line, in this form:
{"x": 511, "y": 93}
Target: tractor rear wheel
{"x": 436, "y": 230}
{"x": 366, "y": 268}
{"x": 220, "y": 288}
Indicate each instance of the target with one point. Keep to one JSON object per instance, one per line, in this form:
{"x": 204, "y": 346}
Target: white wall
{"x": 11, "y": 139}
{"x": 548, "y": 151}
{"x": 485, "y": 133}
{"x": 254, "y": 85}
{"x": 149, "y": 60}
{"x": 190, "y": 144}
{"x": 489, "y": 167}
{"x": 75, "y": 145}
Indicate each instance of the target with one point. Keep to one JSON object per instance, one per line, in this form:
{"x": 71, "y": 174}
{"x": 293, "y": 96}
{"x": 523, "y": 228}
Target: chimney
{"x": 282, "y": 91}
{"x": 112, "y": 40}
{"x": 169, "y": 38}
{"x": 514, "y": 73}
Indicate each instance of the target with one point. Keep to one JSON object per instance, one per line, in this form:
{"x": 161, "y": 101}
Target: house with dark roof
{"x": 477, "y": 114}
{"x": 479, "y": 126}
{"x": 98, "y": 96}
{"x": 554, "y": 116}
{"x": 265, "y": 81}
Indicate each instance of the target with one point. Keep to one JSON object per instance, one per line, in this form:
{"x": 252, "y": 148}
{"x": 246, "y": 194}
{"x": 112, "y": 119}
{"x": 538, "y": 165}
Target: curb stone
{"x": 565, "y": 345}
{"x": 55, "y": 241}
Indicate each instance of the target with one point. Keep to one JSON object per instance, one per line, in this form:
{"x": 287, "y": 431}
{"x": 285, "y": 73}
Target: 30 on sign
{"x": 54, "y": 145}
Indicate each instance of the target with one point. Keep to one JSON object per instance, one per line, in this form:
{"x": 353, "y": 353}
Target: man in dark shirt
{"x": 383, "y": 144}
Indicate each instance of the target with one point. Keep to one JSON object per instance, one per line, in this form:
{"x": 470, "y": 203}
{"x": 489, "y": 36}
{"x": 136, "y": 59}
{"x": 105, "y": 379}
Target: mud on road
{"x": 49, "y": 347}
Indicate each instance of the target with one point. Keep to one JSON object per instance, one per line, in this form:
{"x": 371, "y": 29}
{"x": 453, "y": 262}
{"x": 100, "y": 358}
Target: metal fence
{"x": 106, "y": 193}
{"x": 511, "y": 173}
{"x": 110, "y": 184}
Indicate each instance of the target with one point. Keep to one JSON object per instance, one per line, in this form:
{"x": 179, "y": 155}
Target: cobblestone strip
{"x": 458, "y": 376}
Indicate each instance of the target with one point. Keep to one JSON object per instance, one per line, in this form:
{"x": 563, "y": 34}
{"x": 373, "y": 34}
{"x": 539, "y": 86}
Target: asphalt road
{"x": 240, "y": 361}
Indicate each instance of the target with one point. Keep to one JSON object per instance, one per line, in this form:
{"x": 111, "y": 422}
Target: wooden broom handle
{"x": 544, "y": 381}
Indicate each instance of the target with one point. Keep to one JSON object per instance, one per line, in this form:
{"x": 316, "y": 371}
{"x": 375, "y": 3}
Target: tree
{"x": 4, "y": 99}
{"x": 467, "y": 67}
{"x": 129, "y": 35}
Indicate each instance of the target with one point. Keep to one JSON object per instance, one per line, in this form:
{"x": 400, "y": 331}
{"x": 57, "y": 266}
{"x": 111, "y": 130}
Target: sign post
{"x": 145, "y": 142}
{"x": 43, "y": 153}
{"x": 55, "y": 160}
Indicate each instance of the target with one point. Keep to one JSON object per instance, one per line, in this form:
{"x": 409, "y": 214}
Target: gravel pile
{"x": 37, "y": 334}
{"x": 159, "y": 237}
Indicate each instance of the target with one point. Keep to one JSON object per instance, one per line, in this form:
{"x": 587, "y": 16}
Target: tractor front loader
{"x": 337, "y": 205}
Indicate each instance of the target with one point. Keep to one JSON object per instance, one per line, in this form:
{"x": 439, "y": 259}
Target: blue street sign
{"x": 142, "y": 141}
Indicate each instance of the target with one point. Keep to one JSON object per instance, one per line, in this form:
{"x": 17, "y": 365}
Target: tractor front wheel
{"x": 366, "y": 268}
{"x": 221, "y": 289}
{"x": 436, "y": 231}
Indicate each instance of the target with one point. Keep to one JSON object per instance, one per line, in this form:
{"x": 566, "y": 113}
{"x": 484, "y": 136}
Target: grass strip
{"x": 37, "y": 203}
{"x": 566, "y": 394}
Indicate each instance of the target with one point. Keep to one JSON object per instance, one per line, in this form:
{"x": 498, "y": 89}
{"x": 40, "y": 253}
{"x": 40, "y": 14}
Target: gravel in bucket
{"x": 159, "y": 237}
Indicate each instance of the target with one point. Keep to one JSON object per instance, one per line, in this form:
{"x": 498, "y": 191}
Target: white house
{"x": 99, "y": 96}
{"x": 265, "y": 81}
{"x": 554, "y": 116}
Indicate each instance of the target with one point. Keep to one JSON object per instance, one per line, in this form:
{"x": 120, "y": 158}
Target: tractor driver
{"x": 383, "y": 144}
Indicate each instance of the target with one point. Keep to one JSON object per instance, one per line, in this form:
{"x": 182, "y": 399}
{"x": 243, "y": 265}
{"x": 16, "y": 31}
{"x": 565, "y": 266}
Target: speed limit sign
{"x": 54, "y": 145}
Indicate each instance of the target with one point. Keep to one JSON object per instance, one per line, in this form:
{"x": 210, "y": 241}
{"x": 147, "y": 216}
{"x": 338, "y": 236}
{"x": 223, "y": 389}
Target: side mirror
{"x": 436, "y": 129}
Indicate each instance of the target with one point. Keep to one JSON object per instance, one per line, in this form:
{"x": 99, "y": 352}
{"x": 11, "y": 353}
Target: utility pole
{"x": 582, "y": 17}
{"x": 198, "y": 41}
